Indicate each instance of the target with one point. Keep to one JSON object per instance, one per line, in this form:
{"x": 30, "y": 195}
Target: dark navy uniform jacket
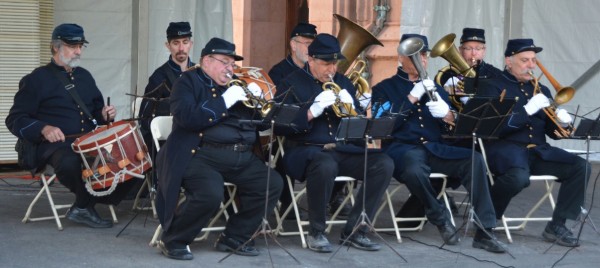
{"x": 415, "y": 126}
{"x": 521, "y": 129}
{"x": 282, "y": 69}
{"x": 306, "y": 138}
{"x": 199, "y": 115}
{"x": 160, "y": 105}
{"x": 43, "y": 100}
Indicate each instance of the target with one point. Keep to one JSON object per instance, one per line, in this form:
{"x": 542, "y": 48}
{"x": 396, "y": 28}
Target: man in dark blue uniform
{"x": 472, "y": 49}
{"x": 301, "y": 37}
{"x": 44, "y": 112}
{"x": 311, "y": 152}
{"x": 210, "y": 145}
{"x": 418, "y": 149}
{"x": 157, "y": 92}
{"x": 522, "y": 149}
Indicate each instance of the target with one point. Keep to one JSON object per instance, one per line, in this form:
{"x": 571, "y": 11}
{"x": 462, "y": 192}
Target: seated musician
{"x": 418, "y": 149}
{"x": 311, "y": 151}
{"x": 44, "y": 112}
{"x": 209, "y": 145}
{"x": 522, "y": 149}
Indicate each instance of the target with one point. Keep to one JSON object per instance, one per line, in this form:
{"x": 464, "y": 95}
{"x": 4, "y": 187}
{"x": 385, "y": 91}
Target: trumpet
{"x": 411, "y": 47}
{"x": 253, "y": 102}
{"x": 550, "y": 111}
{"x": 340, "y": 108}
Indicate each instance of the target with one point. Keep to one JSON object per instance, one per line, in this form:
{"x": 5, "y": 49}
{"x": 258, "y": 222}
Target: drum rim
{"x": 81, "y": 148}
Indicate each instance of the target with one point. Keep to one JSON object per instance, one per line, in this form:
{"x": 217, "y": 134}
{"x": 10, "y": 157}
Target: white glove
{"x": 322, "y": 101}
{"x": 233, "y": 94}
{"x": 364, "y": 100}
{"x": 254, "y": 89}
{"x": 464, "y": 100}
{"x": 345, "y": 97}
{"x": 439, "y": 108}
{"x": 563, "y": 117}
{"x": 419, "y": 89}
{"x": 537, "y": 102}
{"x": 452, "y": 82}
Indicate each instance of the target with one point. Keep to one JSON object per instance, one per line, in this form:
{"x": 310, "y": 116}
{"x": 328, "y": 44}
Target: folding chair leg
{"x": 46, "y": 189}
{"x": 154, "y": 240}
{"x": 137, "y": 202}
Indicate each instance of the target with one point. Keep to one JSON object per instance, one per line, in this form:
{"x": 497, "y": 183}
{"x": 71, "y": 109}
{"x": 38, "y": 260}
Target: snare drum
{"x": 258, "y": 76}
{"x": 111, "y": 155}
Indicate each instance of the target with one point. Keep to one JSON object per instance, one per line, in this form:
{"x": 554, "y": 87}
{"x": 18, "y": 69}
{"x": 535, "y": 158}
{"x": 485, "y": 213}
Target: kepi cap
{"x": 516, "y": 46}
{"x": 179, "y": 30}
{"x": 304, "y": 29}
{"x": 473, "y": 34}
{"x": 69, "y": 33}
{"x": 325, "y": 47}
{"x": 220, "y": 46}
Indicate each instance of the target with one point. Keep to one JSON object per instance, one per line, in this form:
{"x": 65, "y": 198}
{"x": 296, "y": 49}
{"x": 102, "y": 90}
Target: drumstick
{"x": 107, "y": 115}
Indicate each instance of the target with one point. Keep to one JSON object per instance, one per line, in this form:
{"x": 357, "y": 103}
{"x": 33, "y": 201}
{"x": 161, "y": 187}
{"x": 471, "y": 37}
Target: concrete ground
{"x": 41, "y": 244}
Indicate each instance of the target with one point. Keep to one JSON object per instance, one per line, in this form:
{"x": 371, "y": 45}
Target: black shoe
{"x": 335, "y": 204}
{"x": 87, "y": 216}
{"x": 318, "y": 242}
{"x": 359, "y": 240}
{"x": 560, "y": 234}
{"x": 448, "y": 233}
{"x": 229, "y": 244}
{"x": 488, "y": 242}
{"x": 176, "y": 253}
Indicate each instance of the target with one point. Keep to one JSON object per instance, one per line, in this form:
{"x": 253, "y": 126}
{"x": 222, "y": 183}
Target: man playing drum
{"x": 44, "y": 112}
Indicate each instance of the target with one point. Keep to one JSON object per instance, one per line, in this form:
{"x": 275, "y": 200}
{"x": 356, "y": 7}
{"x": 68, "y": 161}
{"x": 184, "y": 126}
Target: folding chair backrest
{"x": 161, "y": 127}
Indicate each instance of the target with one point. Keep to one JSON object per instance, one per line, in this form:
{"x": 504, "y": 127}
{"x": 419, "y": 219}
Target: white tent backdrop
{"x": 569, "y": 32}
{"x": 127, "y": 38}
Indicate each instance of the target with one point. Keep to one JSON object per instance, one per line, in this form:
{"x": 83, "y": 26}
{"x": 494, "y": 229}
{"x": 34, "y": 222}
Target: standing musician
{"x": 44, "y": 112}
{"x": 311, "y": 152}
{"x": 179, "y": 42}
{"x": 418, "y": 149}
{"x": 472, "y": 49}
{"x": 209, "y": 145}
{"x": 522, "y": 149}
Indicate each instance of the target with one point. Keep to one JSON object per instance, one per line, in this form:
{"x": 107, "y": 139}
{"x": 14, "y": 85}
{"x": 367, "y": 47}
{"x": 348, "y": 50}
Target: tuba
{"x": 411, "y": 48}
{"x": 446, "y": 49}
{"x": 550, "y": 111}
{"x": 253, "y": 102}
{"x": 353, "y": 40}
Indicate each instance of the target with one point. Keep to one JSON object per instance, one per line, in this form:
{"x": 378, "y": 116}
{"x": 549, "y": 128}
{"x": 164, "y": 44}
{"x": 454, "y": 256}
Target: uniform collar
{"x": 404, "y": 76}
{"x": 176, "y": 66}
{"x": 61, "y": 68}
{"x": 510, "y": 77}
{"x": 291, "y": 62}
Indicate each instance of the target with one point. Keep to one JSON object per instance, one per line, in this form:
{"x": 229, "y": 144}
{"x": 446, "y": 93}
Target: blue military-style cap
{"x": 304, "y": 29}
{"x": 325, "y": 47}
{"x": 473, "y": 34}
{"x": 516, "y": 46}
{"x": 179, "y": 30}
{"x": 220, "y": 46}
{"x": 69, "y": 33}
{"x": 422, "y": 37}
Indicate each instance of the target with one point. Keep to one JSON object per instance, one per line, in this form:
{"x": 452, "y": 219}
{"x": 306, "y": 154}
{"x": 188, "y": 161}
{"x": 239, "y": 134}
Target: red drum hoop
{"x": 111, "y": 155}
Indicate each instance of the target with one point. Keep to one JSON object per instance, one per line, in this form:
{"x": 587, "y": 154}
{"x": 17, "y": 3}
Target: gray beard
{"x": 72, "y": 62}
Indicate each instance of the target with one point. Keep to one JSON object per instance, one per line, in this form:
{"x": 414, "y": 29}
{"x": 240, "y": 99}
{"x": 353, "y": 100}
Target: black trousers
{"x": 419, "y": 163}
{"x": 67, "y": 166}
{"x": 320, "y": 176}
{"x": 571, "y": 194}
{"x": 203, "y": 184}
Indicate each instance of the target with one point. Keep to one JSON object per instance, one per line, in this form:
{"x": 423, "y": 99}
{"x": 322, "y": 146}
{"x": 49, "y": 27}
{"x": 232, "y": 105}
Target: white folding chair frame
{"x": 46, "y": 182}
{"x": 549, "y": 186}
{"x": 389, "y": 202}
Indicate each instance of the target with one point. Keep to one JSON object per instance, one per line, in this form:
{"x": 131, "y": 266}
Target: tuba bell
{"x": 353, "y": 40}
{"x": 446, "y": 49}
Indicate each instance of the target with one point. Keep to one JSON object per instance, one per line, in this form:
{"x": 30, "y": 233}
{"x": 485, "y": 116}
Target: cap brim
{"x": 534, "y": 49}
{"x": 73, "y": 42}
{"x": 234, "y": 56}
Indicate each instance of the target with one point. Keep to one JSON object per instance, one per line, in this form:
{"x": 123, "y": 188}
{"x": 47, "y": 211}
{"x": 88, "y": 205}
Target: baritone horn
{"x": 353, "y": 40}
{"x": 411, "y": 48}
{"x": 253, "y": 102}
{"x": 447, "y": 50}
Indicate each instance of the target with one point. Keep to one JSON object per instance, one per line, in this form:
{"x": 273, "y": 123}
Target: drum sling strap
{"x": 69, "y": 86}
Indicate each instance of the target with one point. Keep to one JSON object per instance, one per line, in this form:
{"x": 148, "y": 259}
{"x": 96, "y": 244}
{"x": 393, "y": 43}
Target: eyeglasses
{"x": 469, "y": 49}
{"x": 307, "y": 43}
{"x": 75, "y": 46}
{"x": 226, "y": 64}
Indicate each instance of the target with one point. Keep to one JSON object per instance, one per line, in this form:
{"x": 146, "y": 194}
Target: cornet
{"x": 340, "y": 108}
{"x": 253, "y": 102}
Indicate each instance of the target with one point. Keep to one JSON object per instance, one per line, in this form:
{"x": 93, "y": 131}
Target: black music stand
{"x": 481, "y": 117}
{"x": 352, "y": 129}
{"x": 280, "y": 115}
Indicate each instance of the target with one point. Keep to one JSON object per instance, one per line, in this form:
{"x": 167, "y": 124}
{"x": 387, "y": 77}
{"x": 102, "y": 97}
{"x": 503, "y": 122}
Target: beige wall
{"x": 259, "y": 30}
